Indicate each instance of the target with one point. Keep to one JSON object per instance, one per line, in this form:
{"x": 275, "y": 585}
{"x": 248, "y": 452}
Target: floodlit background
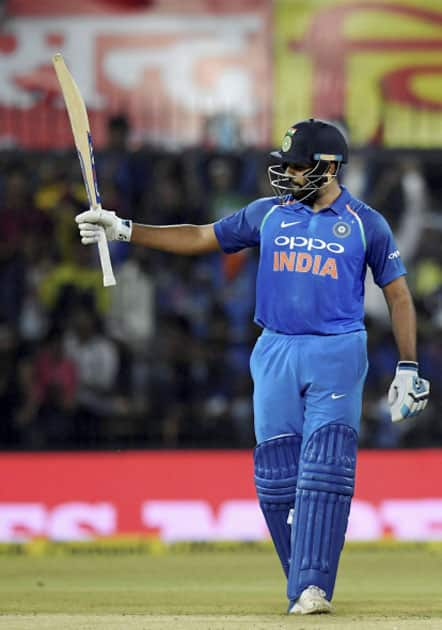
{"x": 185, "y": 100}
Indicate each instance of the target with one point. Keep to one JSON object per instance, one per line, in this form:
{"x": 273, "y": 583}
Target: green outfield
{"x": 378, "y": 587}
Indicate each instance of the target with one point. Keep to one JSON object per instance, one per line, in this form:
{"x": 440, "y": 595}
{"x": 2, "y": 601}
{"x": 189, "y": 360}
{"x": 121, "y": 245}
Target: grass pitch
{"x": 392, "y": 588}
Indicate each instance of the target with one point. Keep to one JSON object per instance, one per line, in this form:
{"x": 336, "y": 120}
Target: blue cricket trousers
{"x": 303, "y": 382}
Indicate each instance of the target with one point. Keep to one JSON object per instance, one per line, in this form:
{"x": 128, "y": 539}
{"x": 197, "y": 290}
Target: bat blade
{"x": 78, "y": 118}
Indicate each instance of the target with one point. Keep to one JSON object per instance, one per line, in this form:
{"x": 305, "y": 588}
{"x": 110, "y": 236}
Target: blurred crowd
{"x": 161, "y": 360}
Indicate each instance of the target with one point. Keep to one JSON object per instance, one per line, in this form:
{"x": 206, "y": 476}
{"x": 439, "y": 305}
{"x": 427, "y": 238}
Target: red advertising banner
{"x": 199, "y": 495}
{"x": 181, "y": 72}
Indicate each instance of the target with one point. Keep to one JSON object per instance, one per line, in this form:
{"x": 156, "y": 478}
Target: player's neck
{"x": 327, "y": 197}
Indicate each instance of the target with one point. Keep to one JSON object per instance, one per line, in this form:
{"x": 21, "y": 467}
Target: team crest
{"x": 341, "y": 229}
{"x": 287, "y": 142}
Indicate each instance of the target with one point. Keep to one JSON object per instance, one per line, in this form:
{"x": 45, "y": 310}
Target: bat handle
{"x": 105, "y": 260}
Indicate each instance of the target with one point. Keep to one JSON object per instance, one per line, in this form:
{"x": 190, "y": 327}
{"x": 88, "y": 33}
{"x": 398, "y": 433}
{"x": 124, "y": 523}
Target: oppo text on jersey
{"x": 308, "y": 243}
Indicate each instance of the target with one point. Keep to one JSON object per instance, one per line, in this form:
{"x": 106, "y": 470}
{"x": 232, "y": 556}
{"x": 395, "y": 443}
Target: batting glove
{"x": 92, "y": 222}
{"x": 408, "y": 393}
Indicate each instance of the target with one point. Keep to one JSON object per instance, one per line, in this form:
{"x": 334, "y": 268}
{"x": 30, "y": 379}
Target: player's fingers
{"x": 425, "y": 386}
{"x": 90, "y": 216}
{"x": 405, "y": 412}
{"x": 396, "y": 414}
{"x": 91, "y": 233}
{"x": 392, "y": 394}
{"x": 91, "y": 227}
{"x": 408, "y": 407}
{"x": 413, "y": 409}
{"x": 90, "y": 240}
{"x": 421, "y": 405}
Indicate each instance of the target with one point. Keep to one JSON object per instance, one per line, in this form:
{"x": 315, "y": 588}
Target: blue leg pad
{"x": 276, "y": 471}
{"x": 323, "y": 496}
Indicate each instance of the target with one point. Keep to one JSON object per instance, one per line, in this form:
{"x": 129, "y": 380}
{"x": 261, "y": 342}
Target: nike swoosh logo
{"x": 336, "y": 396}
{"x": 284, "y": 224}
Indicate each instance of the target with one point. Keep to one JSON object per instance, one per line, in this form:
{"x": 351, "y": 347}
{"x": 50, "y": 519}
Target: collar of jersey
{"x": 338, "y": 205}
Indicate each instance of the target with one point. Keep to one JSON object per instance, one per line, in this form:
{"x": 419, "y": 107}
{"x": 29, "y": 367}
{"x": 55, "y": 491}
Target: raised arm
{"x": 178, "y": 239}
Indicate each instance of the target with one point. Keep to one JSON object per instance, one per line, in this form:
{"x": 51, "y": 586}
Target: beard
{"x": 306, "y": 197}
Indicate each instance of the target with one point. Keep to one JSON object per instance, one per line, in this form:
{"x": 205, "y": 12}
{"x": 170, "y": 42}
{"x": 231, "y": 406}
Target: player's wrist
{"x": 123, "y": 230}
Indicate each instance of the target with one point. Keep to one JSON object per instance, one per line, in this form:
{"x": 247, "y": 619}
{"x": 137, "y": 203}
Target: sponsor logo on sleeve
{"x": 394, "y": 255}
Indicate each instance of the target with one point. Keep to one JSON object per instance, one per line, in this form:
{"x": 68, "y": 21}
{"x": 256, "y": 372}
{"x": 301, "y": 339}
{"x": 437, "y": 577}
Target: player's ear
{"x": 331, "y": 171}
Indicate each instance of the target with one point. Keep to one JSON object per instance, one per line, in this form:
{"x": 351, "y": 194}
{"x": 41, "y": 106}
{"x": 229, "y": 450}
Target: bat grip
{"x": 105, "y": 260}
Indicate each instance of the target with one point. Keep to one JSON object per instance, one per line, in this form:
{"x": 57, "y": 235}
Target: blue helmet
{"x": 311, "y": 140}
{"x": 309, "y": 143}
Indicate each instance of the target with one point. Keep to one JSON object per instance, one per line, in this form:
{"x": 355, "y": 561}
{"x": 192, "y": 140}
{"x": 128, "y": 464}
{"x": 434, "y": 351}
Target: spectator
{"x": 65, "y": 285}
{"x": 172, "y": 382}
{"x": 223, "y": 197}
{"x": 51, "y": 381}
{"x": 96, "y": 360}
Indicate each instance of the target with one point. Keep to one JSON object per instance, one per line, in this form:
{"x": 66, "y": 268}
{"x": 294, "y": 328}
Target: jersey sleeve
{"x": 241, "y": 229}
{"x": 383, "y": 256}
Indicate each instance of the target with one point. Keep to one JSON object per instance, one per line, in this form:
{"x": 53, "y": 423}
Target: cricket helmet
{"x": 314, "y": 143}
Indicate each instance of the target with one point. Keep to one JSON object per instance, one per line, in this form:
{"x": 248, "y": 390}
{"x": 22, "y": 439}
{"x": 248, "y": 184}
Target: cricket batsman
{"x": 310, "y": 362}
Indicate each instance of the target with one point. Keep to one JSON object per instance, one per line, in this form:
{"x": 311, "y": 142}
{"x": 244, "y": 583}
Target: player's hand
{"x": 92, "y": 223}
{"x": 408, "y": 393}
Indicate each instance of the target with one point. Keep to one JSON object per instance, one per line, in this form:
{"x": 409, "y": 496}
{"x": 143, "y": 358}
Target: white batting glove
{"x": 92, "y": 222}
{"x": 408, "y": 393}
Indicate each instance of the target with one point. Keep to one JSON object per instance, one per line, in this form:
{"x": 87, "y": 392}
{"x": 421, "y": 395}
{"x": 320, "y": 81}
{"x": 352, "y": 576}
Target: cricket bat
{"x": 76, "y": 109}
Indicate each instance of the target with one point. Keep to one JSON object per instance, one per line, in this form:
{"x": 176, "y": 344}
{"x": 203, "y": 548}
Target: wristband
{"x": 412, "y": 366}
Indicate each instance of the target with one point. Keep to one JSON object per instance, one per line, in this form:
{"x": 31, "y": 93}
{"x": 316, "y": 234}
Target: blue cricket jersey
{"x": 312, "y": 265}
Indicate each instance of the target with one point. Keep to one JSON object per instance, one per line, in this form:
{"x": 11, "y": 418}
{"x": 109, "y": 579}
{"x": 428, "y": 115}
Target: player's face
{"x": 301, "y": 182}
{"x": 297, "y": 172}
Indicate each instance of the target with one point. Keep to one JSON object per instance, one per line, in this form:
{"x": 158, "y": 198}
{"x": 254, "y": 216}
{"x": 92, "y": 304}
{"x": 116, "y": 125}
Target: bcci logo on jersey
{"x": 341, "y": 229}
{"x": 304, "y": 261}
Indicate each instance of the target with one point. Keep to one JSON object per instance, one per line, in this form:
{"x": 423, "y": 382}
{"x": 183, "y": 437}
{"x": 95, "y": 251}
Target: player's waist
{"x": 315, "y": 334}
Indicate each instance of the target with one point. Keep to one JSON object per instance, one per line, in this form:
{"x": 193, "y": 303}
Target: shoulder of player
{"x": 373, "y": 225}
{"x": 368, "y": 215}
{"x": 263, "y": 204}
{"x": 257, "y": 210}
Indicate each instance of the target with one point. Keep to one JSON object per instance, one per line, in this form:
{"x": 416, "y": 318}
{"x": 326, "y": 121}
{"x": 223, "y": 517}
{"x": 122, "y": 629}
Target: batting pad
{"x": 323, "y": 497}
{"x": 276, "y": 471}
